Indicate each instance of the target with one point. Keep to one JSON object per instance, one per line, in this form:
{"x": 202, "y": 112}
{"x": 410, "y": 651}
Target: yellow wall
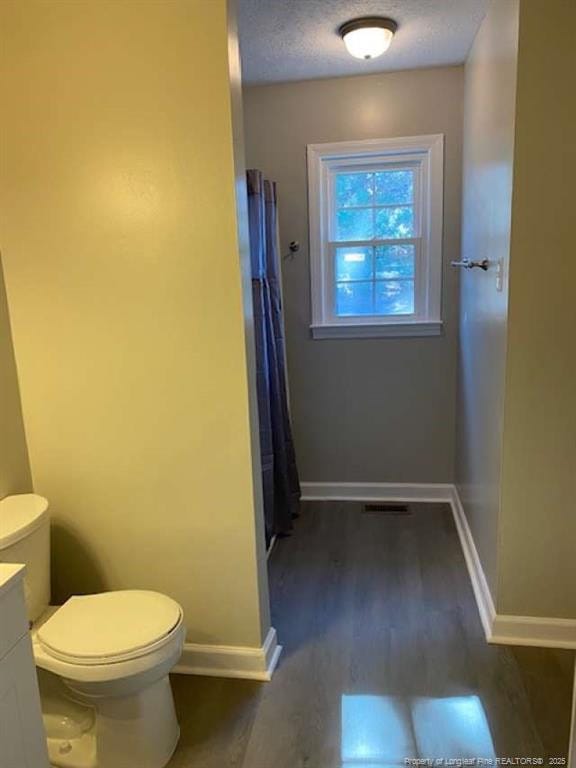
{"x": 120, "y": 244}
{"x": 537, "y": 571}
{"x": 14, "y": 467}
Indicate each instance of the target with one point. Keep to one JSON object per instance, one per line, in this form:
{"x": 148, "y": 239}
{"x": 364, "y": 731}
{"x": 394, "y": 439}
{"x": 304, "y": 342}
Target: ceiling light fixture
{"x": 368, "y": 37}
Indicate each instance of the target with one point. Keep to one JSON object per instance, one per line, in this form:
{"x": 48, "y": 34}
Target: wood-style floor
{"x": 384, "y": 659}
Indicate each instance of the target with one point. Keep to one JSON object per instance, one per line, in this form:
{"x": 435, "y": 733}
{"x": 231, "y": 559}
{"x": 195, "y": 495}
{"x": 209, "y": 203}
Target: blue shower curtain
{"x": 280, "y": 481}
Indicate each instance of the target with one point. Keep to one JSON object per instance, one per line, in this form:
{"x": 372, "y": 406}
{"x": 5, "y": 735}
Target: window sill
{"x": 377, "y": 330}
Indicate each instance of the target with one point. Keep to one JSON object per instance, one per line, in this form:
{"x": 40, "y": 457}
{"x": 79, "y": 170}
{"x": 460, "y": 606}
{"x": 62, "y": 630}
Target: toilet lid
{"x": 110, "y": 626}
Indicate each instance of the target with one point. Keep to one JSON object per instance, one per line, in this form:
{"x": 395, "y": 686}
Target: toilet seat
{"x": 110, "y": 627}
{"x": 118, "y": 672}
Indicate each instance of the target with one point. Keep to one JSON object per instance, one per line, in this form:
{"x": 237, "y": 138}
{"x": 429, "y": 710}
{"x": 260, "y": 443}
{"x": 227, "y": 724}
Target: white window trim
{"x": 427, "y": 152}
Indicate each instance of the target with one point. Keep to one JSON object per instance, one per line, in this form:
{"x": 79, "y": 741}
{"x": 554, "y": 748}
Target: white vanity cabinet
{"x": 22, "y": 738}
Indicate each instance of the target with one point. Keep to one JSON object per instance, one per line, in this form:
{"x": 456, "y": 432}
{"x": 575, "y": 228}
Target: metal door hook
{"x": 467, "y": 264}
{"x": 293, "y": 249}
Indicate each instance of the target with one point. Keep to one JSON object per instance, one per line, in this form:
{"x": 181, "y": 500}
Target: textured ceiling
{"x": 297, "y": 39}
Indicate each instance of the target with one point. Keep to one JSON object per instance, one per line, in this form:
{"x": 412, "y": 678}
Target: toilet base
{"x": 139, "y": 730}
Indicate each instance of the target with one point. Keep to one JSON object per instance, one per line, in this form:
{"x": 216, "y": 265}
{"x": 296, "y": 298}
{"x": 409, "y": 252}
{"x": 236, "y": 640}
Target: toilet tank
{"x": 25, "y": 538}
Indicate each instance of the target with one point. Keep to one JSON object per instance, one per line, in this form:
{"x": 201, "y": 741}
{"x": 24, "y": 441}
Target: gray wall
{"x": 517, "y": 403}
{"x": 379, "y": 410}
{"x": 490, "y": 92}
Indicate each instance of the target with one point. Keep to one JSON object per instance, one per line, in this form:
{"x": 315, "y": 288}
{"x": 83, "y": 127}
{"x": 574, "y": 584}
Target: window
{"x": 376, "y": 237}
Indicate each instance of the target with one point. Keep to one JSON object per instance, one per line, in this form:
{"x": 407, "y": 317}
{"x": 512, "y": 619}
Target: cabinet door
{"x": 22, "y": 738}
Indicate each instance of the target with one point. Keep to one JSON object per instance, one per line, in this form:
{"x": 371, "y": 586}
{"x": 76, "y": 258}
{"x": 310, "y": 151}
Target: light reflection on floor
{"x": 379, "y": 731}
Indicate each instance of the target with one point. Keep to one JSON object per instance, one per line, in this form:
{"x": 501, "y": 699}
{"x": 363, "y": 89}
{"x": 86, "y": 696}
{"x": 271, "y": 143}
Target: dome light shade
{"x": 368, "y": 37}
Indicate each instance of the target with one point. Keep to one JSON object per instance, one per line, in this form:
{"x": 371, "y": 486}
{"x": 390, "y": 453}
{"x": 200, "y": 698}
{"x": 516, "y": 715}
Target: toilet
{"x": 103, "y": 659}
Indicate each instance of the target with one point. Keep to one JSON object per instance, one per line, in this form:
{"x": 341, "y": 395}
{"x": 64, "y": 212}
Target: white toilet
{"x": 103, "y": 660}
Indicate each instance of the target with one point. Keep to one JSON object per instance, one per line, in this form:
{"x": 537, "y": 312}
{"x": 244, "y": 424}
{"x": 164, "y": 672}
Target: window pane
{"x": 354, "y": 299}
{"x": 393, "y": 187}
{"x": 395, "y": 297}
{"x": 395, "y": 222}
{"x": 354, "y": 263}
{"x": 394, "y": 261}
{"x": 354, "y": 224}
{"x": 354, "y": 189}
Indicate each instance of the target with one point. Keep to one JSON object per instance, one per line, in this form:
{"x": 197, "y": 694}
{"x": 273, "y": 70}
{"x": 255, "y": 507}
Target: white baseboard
{"x": 503, "y": 629}
{"x": 259, "y": 663}
{"x": 271, "y": 546}
{"x": 231, "y": 661}
{"x": 376, "y": 491}
{"x": 498, "y": 628}
{"x": 533, "y": 630}
{"x": 484, "y": 601}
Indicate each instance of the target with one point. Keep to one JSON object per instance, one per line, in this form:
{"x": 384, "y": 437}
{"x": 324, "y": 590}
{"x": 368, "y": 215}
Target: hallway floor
{"x": 384, "y": 659}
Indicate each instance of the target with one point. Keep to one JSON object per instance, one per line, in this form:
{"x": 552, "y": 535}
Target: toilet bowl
{"x": 103, "y": 659}
{"x": 113, "y": 652}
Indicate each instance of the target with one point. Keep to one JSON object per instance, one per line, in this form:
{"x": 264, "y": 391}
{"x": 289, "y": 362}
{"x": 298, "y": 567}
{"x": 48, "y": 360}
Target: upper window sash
{"x": 334, "y": 167}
